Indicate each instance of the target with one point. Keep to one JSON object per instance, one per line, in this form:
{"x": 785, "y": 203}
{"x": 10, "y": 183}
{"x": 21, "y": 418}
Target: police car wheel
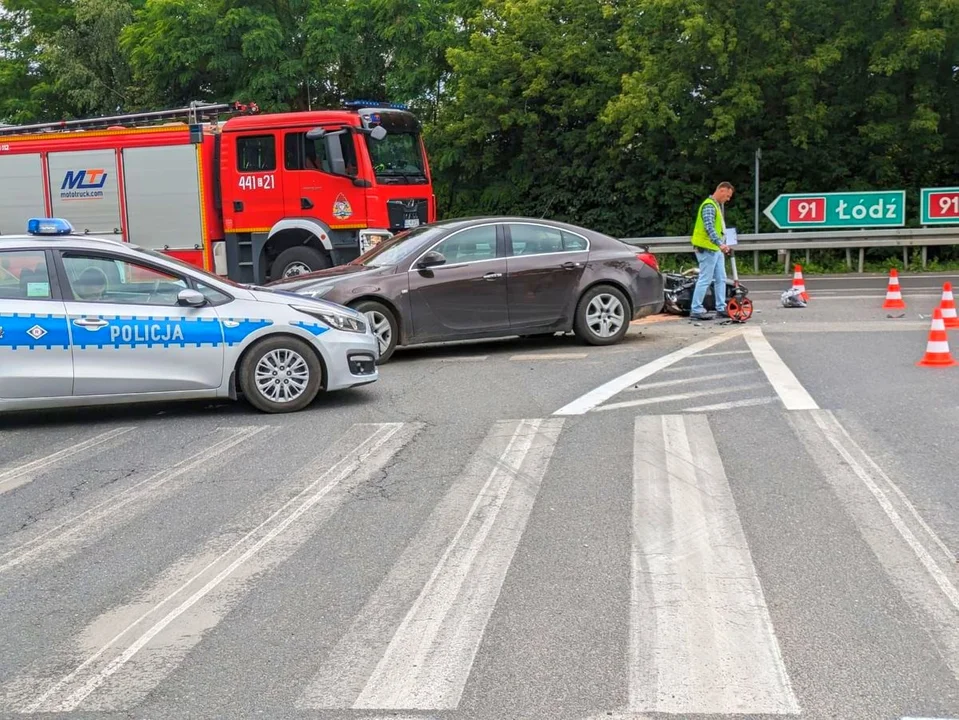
{"x": 602, "y": 316}
{"x": 299, "y": 260}
{"x": 280, "y": 375}
{"x": 384, "y": 325}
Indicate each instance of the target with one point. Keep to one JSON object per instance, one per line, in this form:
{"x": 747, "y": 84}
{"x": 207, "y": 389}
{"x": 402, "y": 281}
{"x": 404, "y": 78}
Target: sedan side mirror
{"x": 190, "y": 298}
{"x": 431, "y": 259}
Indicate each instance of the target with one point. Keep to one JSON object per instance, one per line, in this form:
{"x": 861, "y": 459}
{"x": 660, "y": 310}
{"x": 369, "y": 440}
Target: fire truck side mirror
{"x": 378, "y": 133}
{"x": 315, "y": 133}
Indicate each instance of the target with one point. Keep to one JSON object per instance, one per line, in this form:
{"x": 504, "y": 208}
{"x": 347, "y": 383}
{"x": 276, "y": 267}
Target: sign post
{"x": 939, "y": 206}
{"x": 830, "y": 211}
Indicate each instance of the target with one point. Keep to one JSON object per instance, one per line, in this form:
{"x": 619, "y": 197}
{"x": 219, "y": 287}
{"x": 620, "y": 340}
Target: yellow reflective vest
{"x": 700, "y": 237}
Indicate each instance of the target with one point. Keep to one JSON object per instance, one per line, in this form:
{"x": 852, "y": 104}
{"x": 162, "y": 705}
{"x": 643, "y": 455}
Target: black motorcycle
{"x": 679, "y": 289}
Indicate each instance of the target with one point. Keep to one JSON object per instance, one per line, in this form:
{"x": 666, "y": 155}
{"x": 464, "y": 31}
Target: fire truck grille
{"x": 407, "y": 213}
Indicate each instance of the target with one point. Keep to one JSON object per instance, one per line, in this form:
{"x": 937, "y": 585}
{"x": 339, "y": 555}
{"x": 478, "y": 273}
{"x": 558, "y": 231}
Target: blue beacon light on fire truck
{"x": 49, "y": 226}
{"x": 375, "y": 104}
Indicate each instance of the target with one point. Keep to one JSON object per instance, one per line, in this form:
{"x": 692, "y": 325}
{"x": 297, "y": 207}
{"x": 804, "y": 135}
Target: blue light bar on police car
{"x": 49, "y": 226}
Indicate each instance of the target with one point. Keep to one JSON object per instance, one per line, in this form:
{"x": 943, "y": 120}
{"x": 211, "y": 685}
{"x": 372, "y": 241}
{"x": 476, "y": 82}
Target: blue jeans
{"x": 712, "y": 269}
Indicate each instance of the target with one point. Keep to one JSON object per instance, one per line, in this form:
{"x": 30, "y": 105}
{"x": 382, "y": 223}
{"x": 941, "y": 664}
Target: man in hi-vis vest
{"x": 710, "y": 246}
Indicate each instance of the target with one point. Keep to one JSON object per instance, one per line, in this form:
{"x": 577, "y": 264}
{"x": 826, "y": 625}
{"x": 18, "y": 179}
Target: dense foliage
{"x": 619, "y": 114}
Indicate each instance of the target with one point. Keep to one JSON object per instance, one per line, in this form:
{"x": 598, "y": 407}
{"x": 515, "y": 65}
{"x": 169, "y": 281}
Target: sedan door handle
{"x": 91, "y": 323}
{"x": 571, "y": 265}
{"x": 492, "y": 275}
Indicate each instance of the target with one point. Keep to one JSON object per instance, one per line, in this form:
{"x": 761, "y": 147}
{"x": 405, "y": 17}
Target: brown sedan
{"x": 492, "y": 277}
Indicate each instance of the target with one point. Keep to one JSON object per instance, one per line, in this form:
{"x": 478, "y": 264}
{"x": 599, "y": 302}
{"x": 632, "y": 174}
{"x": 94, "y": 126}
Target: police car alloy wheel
{"x": 602, "y": 317}
{"x": 280, "y": 375}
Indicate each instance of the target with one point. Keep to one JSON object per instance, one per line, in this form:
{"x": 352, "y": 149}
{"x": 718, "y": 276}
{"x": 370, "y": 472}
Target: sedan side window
{"x": 573, "y": 243}
{"x": 24, "y": 275}
{"x": 535, "y": 240}
{"x": 469, "y": 245}
{"x": 106, "y": 280}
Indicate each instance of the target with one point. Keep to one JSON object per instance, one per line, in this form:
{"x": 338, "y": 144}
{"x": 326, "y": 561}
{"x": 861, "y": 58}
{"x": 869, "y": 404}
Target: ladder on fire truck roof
{"x": 195, "y": 112}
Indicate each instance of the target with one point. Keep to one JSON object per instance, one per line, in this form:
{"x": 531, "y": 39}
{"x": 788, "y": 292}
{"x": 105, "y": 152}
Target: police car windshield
{"x": 398, "y": 247}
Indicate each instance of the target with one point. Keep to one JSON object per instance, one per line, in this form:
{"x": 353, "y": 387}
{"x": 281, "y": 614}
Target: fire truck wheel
{"x": 280, "y": 375}
{"x": 299, "y": 260}
{"x": 384, "y": 325}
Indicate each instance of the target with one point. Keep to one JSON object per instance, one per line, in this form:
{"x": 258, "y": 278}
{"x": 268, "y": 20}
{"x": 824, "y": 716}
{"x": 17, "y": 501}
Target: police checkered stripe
{"x": 44, "y": 342}
{"x": 96, "y": 339}
{"x": 223, "y": 334}
{"x": 315, "y": 328}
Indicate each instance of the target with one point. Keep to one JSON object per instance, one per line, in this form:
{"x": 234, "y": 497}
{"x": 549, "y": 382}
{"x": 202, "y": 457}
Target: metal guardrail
{"x": 848, "y": 240}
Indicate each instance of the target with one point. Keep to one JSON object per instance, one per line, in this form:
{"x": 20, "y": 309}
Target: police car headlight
{"x": 335, "y": 320}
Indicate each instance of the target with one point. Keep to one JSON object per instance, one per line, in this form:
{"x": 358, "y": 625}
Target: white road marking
{"x": 604, "y": 392}
{"x": 787, "y": 386}
{"x": 66, "y": 538}
{"x": 550, "y": 356}
{"x": 689, "y": 381}
{"x": 749, "y": 402}
{"x": 701, "y": 639}
{"x": 677, "y": 397}
{"x": 466, "y": 358}
{"x": 914, "y": 557}
{"x": 20, "y": 475}
{"x": 361, "y": 461}
{"x": 878, "y": 296}
{"x": 723, "y": 353}
{"x": 413, "y": 644}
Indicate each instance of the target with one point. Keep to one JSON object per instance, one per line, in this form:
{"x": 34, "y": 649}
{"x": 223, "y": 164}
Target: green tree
{"x": 85, "y": 61}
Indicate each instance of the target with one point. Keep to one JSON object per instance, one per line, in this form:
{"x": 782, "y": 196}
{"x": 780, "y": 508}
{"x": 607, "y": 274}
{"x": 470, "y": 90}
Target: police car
{"x": 93, "y": 321}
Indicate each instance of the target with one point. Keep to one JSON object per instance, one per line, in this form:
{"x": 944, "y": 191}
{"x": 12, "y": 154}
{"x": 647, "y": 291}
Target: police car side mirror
{"x": 191, "y": 298}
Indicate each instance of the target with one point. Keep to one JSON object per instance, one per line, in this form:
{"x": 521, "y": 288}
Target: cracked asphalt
{"x": 440, "y": 545}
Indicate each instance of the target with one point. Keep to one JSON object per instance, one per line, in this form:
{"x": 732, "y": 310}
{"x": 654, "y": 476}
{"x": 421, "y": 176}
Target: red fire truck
{"x": 255, "y": 197}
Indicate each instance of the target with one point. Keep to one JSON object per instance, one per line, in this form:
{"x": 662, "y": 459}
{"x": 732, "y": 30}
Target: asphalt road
{"x": 705, "y": 521}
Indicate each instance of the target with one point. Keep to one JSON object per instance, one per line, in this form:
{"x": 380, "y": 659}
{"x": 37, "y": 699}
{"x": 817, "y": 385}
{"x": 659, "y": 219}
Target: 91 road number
{"x": 257, "y": 182}
{"x": 944, "y": 205}
{"x": 807, "y": 210}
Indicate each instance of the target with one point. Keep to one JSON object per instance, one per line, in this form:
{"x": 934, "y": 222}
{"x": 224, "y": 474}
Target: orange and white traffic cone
{"x": 894, "y": 299}
{"x": 937, "y": 347}
{"x": 800, "y": 284}
{"x": 948, "y": 307}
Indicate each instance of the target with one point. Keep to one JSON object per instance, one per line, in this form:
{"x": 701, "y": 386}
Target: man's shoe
{"x": 703, "y": 316}
{"x": 722, "y": 314}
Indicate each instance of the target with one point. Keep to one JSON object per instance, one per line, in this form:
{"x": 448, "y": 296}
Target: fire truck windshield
{"x": 398, "y": 159}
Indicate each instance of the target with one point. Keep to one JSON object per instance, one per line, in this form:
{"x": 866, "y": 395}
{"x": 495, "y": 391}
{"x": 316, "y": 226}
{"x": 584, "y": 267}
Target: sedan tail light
{"x": 649, "y": 259}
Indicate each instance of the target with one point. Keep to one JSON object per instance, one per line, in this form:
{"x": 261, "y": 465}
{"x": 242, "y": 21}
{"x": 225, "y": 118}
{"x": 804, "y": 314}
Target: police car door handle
{"x": 91, "y": 323}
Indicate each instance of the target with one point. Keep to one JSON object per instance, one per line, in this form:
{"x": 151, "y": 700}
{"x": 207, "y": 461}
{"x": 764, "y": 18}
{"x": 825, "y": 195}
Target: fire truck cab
{"x": 254, "y": 198}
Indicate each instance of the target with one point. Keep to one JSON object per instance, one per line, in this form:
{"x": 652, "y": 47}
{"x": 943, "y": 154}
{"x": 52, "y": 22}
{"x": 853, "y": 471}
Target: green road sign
{"x": 825, "y": 211}
{"x": 940, "y": 206}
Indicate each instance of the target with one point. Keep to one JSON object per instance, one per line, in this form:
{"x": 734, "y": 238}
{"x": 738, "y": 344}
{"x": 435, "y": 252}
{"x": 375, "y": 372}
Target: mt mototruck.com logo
{"x": 83, "y": 184}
